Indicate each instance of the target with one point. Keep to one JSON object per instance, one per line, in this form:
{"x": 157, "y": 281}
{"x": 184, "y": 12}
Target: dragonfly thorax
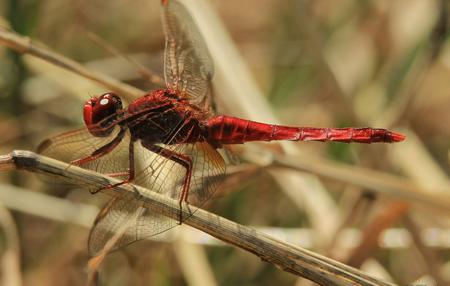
{"x": 164, "y": 119}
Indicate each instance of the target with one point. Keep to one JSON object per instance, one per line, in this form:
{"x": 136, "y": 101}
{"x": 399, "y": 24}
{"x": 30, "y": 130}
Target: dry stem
{"x": 24, "y": 45}
{"x": 379, "y": 182}
{"x": 317, "y": 268}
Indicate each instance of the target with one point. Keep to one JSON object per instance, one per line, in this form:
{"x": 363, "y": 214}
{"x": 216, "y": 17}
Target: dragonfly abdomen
{"x": 232, "y": 130}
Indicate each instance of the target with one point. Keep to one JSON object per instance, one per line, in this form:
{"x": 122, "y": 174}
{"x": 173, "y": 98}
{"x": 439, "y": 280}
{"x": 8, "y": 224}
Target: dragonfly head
{"x": 99, "y": 112}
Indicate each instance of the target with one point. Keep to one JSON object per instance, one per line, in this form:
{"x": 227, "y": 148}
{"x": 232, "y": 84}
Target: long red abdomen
{"x": 232, "y": 130}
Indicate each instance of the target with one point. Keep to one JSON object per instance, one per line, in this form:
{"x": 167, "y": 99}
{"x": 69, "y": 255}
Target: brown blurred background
{"x": 318, "y": 63}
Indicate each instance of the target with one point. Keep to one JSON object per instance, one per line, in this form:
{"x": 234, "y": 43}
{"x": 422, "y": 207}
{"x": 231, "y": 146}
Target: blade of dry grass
{"x": 24, "y": 45}
{"x": 416, "y": 162}
{"x": 10, "y": 258}
{"x": 38, "y": 204}
{"x": 144, "y": 71}
{"x": 379, "y": 182}
{"x": 193, "y": 261}
{"x": 317, "y": 268}
{"x": 66, "y": 211}
{"x": 372, "y": 232}
{"x": 430, "y": 260}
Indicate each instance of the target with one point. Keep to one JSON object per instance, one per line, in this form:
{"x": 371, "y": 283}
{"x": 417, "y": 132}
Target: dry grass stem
{"x": 144, "y": 71}
{"x": 429, "y": 258}
{"x": 317, "y": 268}
{"x": 10, "y": 258}
{"x": 193, "y": 261}
{"x": 24, "y": 45}
{"x": 379, "y": 182}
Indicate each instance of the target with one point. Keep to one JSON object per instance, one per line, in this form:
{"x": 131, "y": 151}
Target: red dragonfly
{"x": 166, "y": 140}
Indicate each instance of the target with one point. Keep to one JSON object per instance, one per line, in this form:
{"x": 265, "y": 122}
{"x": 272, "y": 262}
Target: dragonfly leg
{"x": 131, "y": 171}
{"x": 181, "y": 159}
{"x": 102, "y": 151}
{"x": 119, "y": 174}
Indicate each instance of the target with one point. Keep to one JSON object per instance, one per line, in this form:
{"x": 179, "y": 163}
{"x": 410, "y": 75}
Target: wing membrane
{"x": 188, "y": 66}
{"x": 128, "y": 218}
{"x": 166, "y": 176}
{"x": 79, "y": 143}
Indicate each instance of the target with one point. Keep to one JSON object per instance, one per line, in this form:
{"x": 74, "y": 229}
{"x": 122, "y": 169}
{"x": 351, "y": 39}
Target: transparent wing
{"x": 188, "y": 66}
{"x": 79, "y": 143}
{"x": 166, "y": 177}
{"x": 124, "y": 218}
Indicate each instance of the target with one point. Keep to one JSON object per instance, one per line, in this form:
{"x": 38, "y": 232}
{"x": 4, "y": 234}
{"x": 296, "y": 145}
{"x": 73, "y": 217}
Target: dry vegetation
{"x": 381, "y": 208}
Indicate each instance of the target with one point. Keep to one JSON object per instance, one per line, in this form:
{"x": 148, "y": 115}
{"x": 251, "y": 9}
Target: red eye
{"x": 97, "y": 109}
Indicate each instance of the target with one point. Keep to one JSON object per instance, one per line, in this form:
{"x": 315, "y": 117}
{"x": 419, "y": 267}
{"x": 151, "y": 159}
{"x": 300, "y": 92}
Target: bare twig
{"x": 317, "y": 268}
{"x": 23, "y": 44}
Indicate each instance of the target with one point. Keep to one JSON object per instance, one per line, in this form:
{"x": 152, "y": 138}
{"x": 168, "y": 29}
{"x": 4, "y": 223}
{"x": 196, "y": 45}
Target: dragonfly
{"x": 167, "y": 140}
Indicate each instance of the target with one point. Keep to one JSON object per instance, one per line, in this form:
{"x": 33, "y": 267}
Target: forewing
{"x": 79, "y": 143}
{"x": 188, "y": 66}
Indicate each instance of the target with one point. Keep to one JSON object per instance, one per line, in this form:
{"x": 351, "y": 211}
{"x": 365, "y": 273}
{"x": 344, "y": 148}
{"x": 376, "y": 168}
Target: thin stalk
{"x": 295, "y": 260}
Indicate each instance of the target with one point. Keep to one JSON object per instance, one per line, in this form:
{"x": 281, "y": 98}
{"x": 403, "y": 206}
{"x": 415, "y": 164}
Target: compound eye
{"x": 110, "y": 100}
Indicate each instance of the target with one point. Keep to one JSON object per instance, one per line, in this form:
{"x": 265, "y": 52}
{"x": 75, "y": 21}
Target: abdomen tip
{"x": 396, "y": 137}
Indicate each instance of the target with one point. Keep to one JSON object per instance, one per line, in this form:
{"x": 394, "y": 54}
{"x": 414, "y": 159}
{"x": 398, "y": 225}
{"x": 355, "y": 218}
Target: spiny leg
{"x": 102, "y": 151}
{"x": 131, "y": 170}
{"x": 181, "y": 159}
{"x": 106, "y": 149}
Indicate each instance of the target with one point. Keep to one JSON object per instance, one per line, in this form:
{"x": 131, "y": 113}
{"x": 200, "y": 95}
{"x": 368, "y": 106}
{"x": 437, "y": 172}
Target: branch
{"x": 298, "y": 261}
{"x": 24, "y": 45}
